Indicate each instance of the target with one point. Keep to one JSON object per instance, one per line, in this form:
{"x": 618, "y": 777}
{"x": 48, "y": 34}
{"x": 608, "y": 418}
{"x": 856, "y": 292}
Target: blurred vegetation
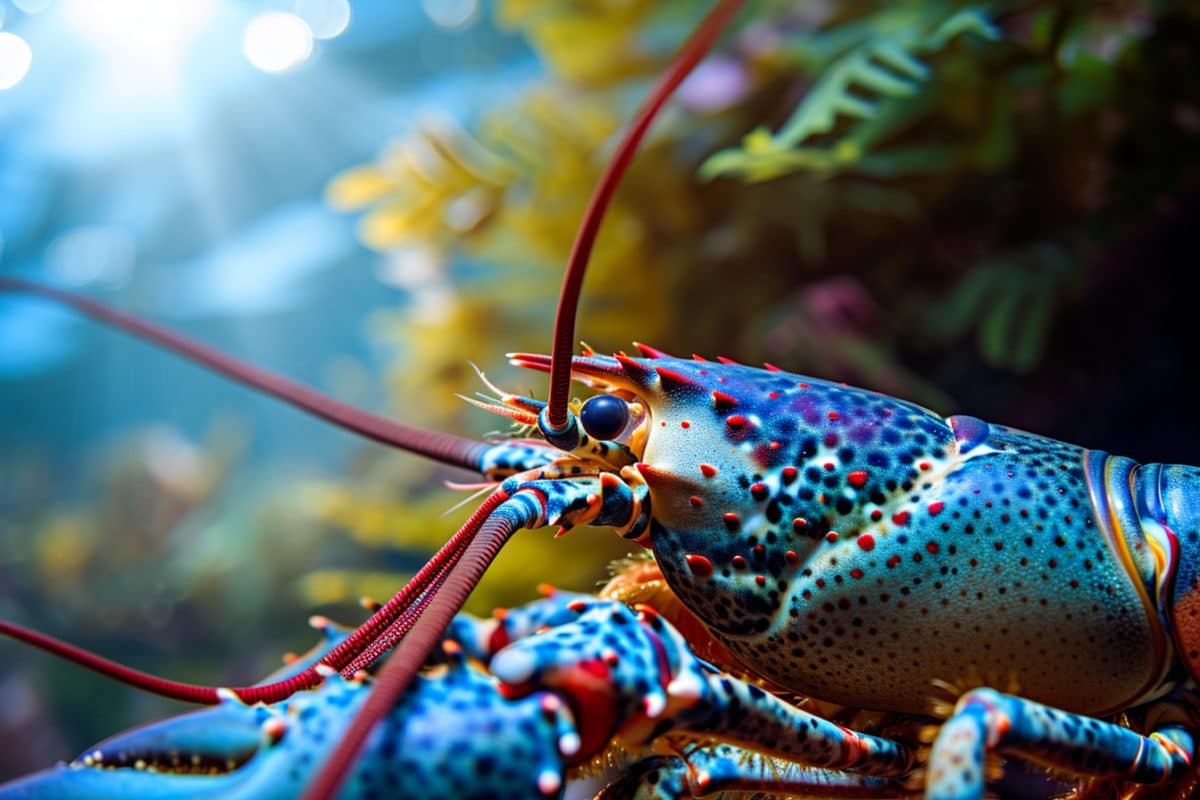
{"x": 955, "y": 166}
{"x": 847, "y": 189}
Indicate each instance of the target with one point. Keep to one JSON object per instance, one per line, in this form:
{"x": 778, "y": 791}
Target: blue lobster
{"x": 809, "y": 538}
{"x": 834, "y": 543}
{"x": 460, "y": 733}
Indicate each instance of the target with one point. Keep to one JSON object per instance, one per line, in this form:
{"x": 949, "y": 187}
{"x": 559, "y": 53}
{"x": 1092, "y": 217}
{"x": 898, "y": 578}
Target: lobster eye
{"x": 604, "y": 416}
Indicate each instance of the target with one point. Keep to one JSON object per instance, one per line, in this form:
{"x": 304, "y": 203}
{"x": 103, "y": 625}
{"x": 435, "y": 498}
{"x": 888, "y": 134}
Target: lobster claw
{"x": 511, "y": 748}
{"x": 203, "y": 754}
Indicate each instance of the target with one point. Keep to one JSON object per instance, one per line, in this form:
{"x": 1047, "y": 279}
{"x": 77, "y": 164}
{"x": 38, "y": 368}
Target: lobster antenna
{"x": 419, "y": 593}
{"x": 444, "y": 600}
{"x": 400, "y": 669}
{"x": 442, "y": 447}
{"x": 557, "y": 414}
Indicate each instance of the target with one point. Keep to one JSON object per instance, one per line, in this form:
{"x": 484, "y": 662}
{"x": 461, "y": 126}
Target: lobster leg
{"x": 481, "y": 639}
{"x": 722, "y": 768}
{"x": 631, "y": 676}
{"x": 987, "y": 721}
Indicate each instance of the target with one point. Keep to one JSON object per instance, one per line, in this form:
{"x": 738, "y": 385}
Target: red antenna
{"x": 364, "y": 645}
{"x": 397, "y": 673}
{"x": 556, "y": 419}
{"x": 442, "y": 447}
{"x": 438, "y": 591}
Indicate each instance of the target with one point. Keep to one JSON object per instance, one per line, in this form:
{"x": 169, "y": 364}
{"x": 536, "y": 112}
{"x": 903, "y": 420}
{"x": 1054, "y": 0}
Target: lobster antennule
{"x": 442, "y": 447}
{"x": 694, "y": 49}
{"x": 602, "y": 367}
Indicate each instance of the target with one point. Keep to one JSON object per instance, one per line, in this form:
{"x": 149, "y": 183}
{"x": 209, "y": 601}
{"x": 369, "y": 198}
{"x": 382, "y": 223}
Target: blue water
{"x": 201, "y": 206}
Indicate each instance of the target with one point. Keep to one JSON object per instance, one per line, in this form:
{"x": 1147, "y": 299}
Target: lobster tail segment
{"x": 1168, "y": 505}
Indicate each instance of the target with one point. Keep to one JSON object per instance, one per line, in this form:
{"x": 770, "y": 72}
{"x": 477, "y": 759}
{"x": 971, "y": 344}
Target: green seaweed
{"x": 871, "y": 73}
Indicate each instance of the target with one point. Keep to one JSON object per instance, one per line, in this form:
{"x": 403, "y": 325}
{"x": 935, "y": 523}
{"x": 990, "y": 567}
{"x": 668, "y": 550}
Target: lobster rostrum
{"x": 828, "y": 541}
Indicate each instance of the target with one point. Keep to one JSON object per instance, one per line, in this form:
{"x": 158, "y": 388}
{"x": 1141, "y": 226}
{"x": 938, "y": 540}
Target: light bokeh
{"x": 326, "y": 18}
{"x": 276, "y": 41}
{"x": 15, "y": 59}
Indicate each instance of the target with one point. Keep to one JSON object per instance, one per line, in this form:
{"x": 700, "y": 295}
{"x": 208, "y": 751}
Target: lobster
{"x": 521, "y": 737}
{"x": 820, "y": 540}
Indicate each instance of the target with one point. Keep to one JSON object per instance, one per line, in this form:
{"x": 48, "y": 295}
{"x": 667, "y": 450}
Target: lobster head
{"x": 754, "y": 476}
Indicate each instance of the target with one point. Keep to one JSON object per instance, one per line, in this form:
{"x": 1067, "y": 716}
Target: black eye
{"x": 604, "y": 416}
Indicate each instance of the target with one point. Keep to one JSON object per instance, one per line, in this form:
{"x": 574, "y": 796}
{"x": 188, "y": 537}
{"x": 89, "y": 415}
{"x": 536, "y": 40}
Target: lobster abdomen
{"x": 1166, "y": 499}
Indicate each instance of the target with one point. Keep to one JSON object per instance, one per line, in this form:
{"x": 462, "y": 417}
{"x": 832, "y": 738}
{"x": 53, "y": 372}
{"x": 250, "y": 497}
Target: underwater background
{"x": 986, "y": 208}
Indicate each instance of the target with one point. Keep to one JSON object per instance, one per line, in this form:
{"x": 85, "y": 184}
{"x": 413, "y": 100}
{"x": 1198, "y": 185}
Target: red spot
{"x": 759, "y": 491}
{"x": 789, "y": 474}
{"x": 857, "y": 478}
{"x": 708, "y": 470}
{"x": 820, "y": 583}
{"x": 799, "y": 524}
{"x": 732, "y": 521}
{"x": 645, "y": 612}
{"x": 856, "y": 574}
{"x": 900, "y": 518}
{"x": 877, "y": 515}
{"x": 773, "y": 395}
{"x": 759, "y": 550}
{"x": 275, "y": 728}
{"x": 832, "y": 536}
{"x": 771, "y": 367}
{"x": 577, "y": 605}
{"x": 737, "y": 421}
{"x": 612, "y": 658}
{"x": 829, "y": 466}
{"x": 738, "y": 562}
{"x": 924, "y": 465}
{"x": 893, "y": 562}
{"x": 696, "y": 501}
{"x": 866, "y": 541}
{"x": 791, "y": 557}
{"x": 936, "y": 508}
{"x": 774, "y": 445}
{"x": 699, "y": 565}
{"x": 685, "y": 424}
{"x": 831, "y": 440}
{"x": 802, "y": 385}
{"x": 760, "y": 580}
{"x": 932, "y": 547}
{"x": 834, "y": 415}
{"x": 763, "y": 454}
{"x": 722, "y": 401}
